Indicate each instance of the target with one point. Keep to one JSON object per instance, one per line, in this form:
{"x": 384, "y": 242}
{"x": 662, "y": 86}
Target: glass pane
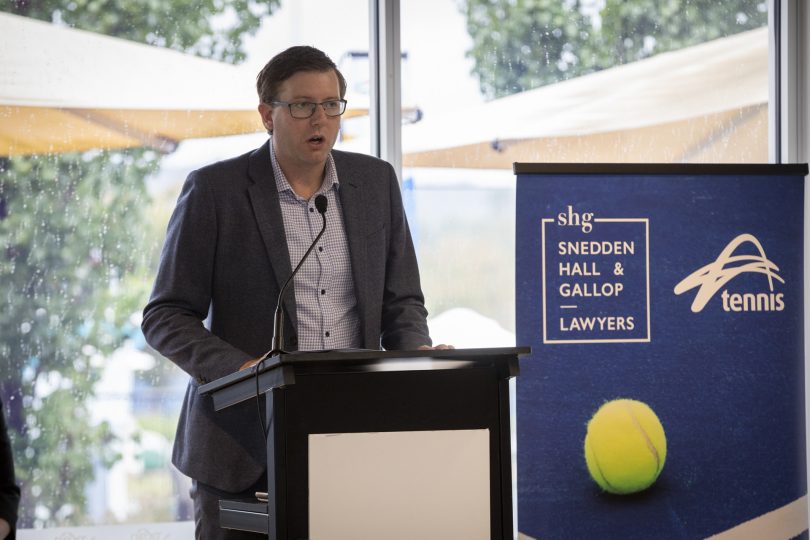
{"x": 91, "y": 409}
{"x": 580, "y": 81}
{"x": 293, "y": 23}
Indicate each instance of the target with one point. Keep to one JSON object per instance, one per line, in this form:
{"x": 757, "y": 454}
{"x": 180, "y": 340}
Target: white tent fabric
{"x": 676, "y": 106}
{"x": 63, "y": 89}
{"x": 45, "y": 65}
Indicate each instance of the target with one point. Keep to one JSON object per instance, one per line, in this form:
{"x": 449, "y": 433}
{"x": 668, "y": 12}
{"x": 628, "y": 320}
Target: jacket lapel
{"x": 352, "y": 201}
{"x": 267, "y": 211}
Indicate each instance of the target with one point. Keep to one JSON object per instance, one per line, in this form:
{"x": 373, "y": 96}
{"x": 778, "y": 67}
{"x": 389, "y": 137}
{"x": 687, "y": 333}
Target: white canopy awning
{"x": 64, "y": 90}
{"x": 675, "y": 106}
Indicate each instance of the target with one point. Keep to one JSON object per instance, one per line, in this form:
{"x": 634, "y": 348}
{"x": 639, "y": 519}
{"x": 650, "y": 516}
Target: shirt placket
{"x": 323, "y": 278}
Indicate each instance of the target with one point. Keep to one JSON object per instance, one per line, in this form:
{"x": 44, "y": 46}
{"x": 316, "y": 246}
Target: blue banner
{"x": 680, "y": 287}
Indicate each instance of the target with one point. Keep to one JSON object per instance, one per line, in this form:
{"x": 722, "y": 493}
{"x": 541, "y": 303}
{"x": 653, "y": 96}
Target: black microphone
{"x": 321, "y": 203}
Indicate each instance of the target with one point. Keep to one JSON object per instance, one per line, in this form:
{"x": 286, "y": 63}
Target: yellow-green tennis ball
{"x": 625, "y": 447}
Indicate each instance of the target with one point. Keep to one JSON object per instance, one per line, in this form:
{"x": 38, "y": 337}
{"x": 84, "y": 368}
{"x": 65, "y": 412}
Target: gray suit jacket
{"x": 225, "y": 259}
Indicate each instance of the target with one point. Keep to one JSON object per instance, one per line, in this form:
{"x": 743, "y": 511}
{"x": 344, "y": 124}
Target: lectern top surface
{"x": 373, "y": 361}
{"x": 736, "y": 169}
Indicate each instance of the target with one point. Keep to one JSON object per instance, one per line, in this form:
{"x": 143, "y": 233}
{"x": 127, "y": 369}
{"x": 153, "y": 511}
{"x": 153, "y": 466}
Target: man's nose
{"x": 319, "y": 114}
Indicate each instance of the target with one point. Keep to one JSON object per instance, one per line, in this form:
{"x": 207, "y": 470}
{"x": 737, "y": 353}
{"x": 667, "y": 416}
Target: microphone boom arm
{"x": 278, "y": 317}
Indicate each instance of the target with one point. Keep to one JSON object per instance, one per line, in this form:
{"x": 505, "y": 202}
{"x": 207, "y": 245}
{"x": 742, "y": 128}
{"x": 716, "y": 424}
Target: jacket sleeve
{"x": 404, "y": 317}
{"x": 9, "y": 491}
{"x": 173, "y": 318}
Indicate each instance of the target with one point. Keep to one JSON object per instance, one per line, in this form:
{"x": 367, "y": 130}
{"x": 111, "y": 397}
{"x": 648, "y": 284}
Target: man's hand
{"x": 249, "y": 364}
{"x": 5, "y": 528}
{"x": 440, "y": 347}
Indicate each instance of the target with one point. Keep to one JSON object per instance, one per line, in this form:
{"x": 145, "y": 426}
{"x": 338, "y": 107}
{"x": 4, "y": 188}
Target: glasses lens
{"x": 334, "y": 108}
{"x": 302, "y": 109}
{"x": 305, "y": 109}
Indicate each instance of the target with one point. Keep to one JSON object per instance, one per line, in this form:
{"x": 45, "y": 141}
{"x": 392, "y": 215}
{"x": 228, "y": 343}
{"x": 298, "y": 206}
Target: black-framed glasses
{"x": 305, "y": 109}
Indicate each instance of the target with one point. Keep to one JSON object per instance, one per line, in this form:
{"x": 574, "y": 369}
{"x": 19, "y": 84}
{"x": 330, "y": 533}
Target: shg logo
{"x": 712, "y": 277}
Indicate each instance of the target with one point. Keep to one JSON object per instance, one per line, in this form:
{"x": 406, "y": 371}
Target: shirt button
{"x": 323, "y": 291}
{"x": 327, "y": 334}
{"x": 311, "y": 209}
{"x": 320, "y": 248}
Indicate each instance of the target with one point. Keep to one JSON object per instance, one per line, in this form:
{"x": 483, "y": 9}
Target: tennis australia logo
{"x": 714, "y": 276}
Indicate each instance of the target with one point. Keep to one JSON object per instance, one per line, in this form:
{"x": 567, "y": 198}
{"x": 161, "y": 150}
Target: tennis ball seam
{"x": 645, "y": 435}
{"x": 610, "y": 487}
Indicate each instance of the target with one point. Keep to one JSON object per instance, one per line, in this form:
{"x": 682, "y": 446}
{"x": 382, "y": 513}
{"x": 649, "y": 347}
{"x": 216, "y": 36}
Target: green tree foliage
{"x": 70, "y": 282}
{"x": 209, "y": 28}
{"x": 77, "y": 255}
{"x": 522, "y": 44}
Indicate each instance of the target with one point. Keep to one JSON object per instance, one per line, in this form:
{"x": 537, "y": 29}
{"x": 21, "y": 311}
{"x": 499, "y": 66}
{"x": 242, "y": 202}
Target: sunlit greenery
{"x": 522, "y": 44}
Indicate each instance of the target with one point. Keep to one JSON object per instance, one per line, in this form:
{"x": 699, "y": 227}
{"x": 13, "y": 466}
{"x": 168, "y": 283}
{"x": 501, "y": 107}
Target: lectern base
{"x": 244, "y": 515}
{"x": 379, "y": 433}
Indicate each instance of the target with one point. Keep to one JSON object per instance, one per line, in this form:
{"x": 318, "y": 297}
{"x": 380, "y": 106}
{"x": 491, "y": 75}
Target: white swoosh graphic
{"x": 713, "y": 276}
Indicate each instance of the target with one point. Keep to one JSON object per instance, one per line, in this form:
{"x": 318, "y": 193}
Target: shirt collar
{"x": 282, "y": 184}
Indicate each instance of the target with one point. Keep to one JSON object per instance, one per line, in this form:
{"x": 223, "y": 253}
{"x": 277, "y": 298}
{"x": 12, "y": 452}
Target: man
{"x": 239, "y": 228}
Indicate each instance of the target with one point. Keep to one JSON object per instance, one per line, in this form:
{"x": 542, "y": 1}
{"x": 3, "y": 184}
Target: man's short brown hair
{"x": 289, "y": 62}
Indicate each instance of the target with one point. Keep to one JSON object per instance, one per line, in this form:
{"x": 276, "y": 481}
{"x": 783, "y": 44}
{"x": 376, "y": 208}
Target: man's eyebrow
{"x": 311, "y": 99}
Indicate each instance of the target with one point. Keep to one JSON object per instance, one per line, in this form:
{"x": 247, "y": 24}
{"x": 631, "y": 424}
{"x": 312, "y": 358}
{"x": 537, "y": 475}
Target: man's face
{"x": 303, "y": 142}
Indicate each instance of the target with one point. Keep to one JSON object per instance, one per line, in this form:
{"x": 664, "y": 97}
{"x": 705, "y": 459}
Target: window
{"x": 565, "y": 82}
{"x": 93, "y": 412}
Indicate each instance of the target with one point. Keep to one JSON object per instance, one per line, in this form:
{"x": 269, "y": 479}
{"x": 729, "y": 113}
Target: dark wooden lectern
{"x": 361, "y": 391}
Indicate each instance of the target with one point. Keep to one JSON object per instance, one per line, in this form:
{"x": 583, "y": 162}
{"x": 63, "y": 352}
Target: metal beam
{"x": 385, "y": 110}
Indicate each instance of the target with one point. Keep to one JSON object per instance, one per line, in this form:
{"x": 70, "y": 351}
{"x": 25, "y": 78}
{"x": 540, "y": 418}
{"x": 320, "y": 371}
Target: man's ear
{"x": 266, "y": 112}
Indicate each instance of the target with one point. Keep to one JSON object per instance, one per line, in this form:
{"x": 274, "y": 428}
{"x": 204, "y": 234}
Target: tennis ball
{"x": 625, "y": 446}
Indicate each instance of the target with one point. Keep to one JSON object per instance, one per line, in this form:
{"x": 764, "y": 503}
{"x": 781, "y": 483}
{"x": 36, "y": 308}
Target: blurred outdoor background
{"x": 106, "y": 105}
